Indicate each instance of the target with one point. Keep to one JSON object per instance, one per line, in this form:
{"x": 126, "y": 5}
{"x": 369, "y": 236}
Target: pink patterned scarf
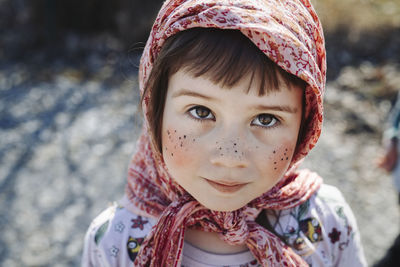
{"x": 290, "y": 34}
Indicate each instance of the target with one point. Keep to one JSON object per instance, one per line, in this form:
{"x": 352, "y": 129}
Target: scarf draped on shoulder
{"x": 290, "y": 34}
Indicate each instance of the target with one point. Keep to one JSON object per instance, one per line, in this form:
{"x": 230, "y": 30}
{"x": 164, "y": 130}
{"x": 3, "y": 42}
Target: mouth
{"x": 226, "y": 187}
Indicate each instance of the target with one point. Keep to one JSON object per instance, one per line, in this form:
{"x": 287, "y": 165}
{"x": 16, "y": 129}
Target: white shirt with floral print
{"x": 322, "y": 230}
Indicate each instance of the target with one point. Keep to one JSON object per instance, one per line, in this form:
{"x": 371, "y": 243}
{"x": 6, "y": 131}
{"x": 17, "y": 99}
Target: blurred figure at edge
{"x": 389, "y": 161}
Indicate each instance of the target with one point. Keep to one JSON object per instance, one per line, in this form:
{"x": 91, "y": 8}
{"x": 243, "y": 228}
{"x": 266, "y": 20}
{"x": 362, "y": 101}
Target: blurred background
{"x": 69, "y": 117}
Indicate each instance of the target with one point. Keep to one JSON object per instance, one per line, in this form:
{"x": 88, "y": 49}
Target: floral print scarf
{"x": 290, "y": 34}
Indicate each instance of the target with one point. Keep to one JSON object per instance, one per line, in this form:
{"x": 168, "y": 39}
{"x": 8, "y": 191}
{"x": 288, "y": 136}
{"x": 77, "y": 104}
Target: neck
{"x": 210, "y": 242}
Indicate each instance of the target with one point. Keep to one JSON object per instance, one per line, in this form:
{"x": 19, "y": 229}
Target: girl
{"x": 232, "y": 97}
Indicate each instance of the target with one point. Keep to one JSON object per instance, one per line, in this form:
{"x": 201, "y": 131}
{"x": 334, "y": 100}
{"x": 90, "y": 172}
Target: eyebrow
{"x": 184, "y": 92}
{"x": 277, "y": 108}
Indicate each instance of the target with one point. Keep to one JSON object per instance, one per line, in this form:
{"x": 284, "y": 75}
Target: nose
{"x": 231, "y": 154}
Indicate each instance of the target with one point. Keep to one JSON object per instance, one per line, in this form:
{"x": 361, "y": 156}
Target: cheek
{"x": 177, "y": 148}
{"x": 280, "y": 157}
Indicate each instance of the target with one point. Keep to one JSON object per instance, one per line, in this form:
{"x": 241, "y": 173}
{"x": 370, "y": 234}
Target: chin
{"x": 223, "y": 207}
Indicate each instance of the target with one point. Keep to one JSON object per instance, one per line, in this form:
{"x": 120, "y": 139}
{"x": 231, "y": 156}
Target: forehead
{"x": 185, "y": 84}
{"x": 225, "y": 56}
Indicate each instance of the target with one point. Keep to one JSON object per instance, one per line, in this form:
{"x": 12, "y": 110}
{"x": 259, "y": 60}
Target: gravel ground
{"x": 67, "y": 130}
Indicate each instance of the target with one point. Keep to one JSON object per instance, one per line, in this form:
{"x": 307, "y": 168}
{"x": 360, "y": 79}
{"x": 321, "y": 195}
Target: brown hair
{"x": 225, "y": 56}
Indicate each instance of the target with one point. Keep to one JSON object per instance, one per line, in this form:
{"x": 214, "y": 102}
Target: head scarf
{"x": 290, "y": 34}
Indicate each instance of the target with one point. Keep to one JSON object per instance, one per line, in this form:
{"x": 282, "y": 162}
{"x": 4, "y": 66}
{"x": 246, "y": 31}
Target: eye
{"x": 201, "y": 113}
{"x": 265, "y": 120}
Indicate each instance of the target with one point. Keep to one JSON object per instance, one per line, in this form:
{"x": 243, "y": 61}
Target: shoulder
{"x": 341, "y": 234}
{"x": 330, "y": 205}
{"x": 114, "y": 237}
{"x": 323, "y": 230}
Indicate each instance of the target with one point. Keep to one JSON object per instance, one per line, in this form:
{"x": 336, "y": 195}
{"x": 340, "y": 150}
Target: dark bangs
{"x": 223, "y": 56}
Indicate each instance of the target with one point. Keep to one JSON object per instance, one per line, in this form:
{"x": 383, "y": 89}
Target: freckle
{"x": 175, "y": 131}
{"x": 194, "y": 139}
{"x": 184, "y": 136}
{"x": 168, "y": 132}
{"x": 235, "y": 151}
{"x": 172, "y": 154}
{"x": 275, "y": 162}
{"x": 222, "y": 154}
{"x": 284, "y": 153}
{"x": 220, "y": 148}
{"x": 287, "y": 158}
{"x": 179, "y": 138}
{"x": 234, "y": 144}
{"x": 286, "y": 149}
{"x": 274, "y": 168}
{"x": 274, "y": 152}
{"x": 166, "y": 148}
{"x": 281, "y": 158}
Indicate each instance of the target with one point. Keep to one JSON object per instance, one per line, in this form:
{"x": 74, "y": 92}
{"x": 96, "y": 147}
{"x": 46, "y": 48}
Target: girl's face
{"x": 227, "y": 147}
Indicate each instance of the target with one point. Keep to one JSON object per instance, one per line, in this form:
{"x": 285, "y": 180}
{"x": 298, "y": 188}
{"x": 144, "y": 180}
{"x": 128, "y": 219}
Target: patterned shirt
{"x": 322, "y": 230}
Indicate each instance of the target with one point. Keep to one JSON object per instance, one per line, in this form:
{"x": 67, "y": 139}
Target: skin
{"x": 388, "y": 160}
{"x": 230, "y": 136}
{"x": 214, "y": 135}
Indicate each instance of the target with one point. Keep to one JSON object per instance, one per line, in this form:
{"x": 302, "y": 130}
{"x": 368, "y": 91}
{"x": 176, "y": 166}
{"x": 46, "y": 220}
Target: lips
{"x": 226, "y": 187}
